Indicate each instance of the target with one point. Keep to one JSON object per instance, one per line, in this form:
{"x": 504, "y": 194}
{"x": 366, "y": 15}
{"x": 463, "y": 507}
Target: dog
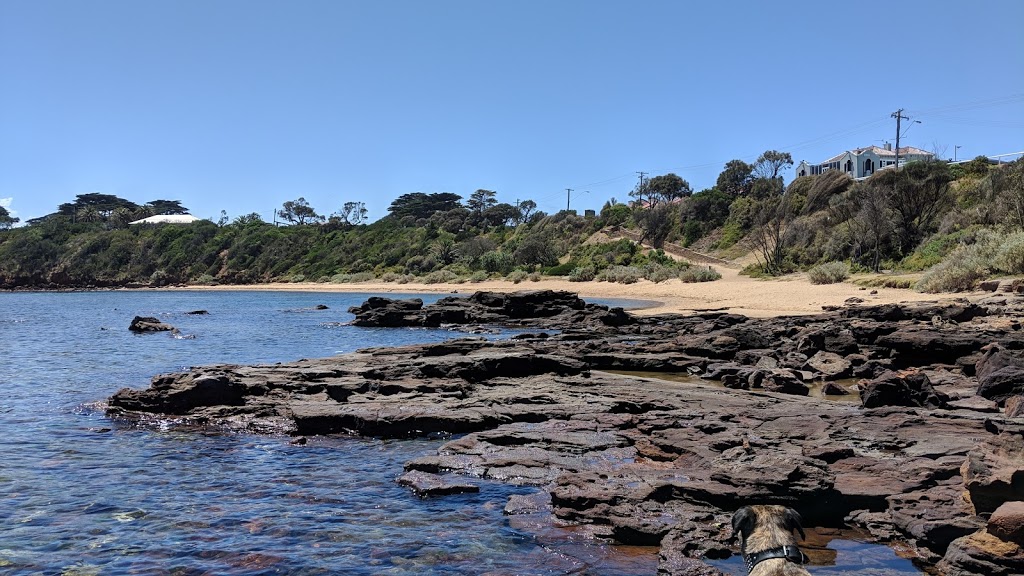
{"x": 767, "y": 542}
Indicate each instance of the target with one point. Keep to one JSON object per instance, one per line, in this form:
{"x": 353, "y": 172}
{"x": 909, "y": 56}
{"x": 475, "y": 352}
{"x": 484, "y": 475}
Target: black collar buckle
{"x": 789, "y": 552}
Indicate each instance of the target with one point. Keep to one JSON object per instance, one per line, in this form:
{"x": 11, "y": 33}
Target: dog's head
{"x": 750, "y": 518}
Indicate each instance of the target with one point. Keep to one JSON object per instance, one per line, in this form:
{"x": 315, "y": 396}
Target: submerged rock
{"x": 141, "y": 324}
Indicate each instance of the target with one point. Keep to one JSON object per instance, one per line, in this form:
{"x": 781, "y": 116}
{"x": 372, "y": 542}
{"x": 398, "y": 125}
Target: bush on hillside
{"x": 659, "y": 273}
{"x": 829, "y": 273}
{"x": 517, "y": 276}
{"x": 582, "y": 274}
{"x": 699, "y": 274}
{"x": 620, "y": 274}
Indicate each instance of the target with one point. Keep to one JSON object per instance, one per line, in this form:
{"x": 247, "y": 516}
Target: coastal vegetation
{"x": 955, "y": 223}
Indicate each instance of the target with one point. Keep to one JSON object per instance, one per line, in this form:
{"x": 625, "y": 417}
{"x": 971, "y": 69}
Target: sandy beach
{"x": 788, "y": 295}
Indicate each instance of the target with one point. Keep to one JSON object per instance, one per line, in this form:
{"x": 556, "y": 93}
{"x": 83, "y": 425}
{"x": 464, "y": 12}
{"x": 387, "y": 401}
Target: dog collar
{"x": 788, "y": 551}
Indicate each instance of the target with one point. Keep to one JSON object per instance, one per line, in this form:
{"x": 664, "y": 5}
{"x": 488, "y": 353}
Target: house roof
{"x": 168, "y": 219}
{"x": 904, "y": 151}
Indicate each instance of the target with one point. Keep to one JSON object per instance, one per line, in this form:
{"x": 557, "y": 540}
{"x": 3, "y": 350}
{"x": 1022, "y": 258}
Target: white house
{"x": 168, "y": 219}
{"x": 864, "y": 162}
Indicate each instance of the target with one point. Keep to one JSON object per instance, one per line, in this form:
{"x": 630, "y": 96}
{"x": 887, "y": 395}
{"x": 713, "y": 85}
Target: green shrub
{"x": 582, "y": 274}
{"x": 405, "y": 279}
{"x": 160, "y": 278}
{"x": 829, "y": 273}
{"x": 621, "y": 274}
{"x": 297, "y": 278}
{"x": 1009, "y": 257}
{"x": 517, "y": 276}
{"x": 206, "y": 280}
{"x": 964, "y": 267}
{"x": 561, "y": 269}
{"x": 389, "y": 277}
{"x": 699, "y": 274}
{"x": 534, "y": 277}
{"x": 659, "y": 273}
{"x": 497, "y": 262}
{"x": 440, "y": 277}
{"x": 479, "y": 276}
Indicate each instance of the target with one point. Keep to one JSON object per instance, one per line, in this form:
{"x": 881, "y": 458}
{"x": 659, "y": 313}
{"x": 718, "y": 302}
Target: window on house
{"x": 869, "y": 166}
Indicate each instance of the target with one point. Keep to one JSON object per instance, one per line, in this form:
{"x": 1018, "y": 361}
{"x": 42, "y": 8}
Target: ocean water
{"x": 83, "y": 495}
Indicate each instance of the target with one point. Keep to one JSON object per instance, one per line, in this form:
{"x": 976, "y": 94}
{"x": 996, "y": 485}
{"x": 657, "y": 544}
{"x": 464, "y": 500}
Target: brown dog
{"x": 767, "y": 542}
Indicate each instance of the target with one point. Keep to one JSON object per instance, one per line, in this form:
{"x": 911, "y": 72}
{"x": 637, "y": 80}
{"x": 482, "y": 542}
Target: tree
{"x": 352, "y": 213}
{"x": 526, "y": 207}
{"x": 247, "y": 219}
{"x": 656, "y": 223}
{"x": 501, "y": 214}
{"x": 88, "y": 214}
{"x": 6, "y": 220}
{"x": 420, "y": 205}
{"x": 166, "y": 207}
{"x": 480, "y": 201}
{"x": 735, "y": 178}
{"x": 771, "y": 164}
{"x": 666, "y": 189}
{"x": 874, "y": 218}
{"x": 770, "y": 233}
{"x": 920, "y": 193}
{"x": 103, "y": 204}
{"x": 299, "y": 212}
{"x": 445, "y": 250}
{"x": 1009, "y": 185}
{"x": 120, "y": 217}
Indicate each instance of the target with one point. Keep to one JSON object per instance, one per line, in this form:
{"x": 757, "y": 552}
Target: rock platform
{"x": 654, "y": 430}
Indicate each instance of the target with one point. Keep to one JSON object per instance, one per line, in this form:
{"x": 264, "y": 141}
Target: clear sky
{"x": 239, "y": 105}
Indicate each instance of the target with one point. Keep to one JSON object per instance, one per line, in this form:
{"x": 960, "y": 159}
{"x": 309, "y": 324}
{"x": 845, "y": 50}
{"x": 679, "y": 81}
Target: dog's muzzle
{"x": 789, "y": 552}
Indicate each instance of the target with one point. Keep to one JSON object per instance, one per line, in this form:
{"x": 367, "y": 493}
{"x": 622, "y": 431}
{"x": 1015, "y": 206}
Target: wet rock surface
{"x": 922, "y": 459}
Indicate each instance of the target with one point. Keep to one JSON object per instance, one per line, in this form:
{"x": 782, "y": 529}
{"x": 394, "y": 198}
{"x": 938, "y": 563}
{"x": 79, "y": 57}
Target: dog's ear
{"x": 743, "y": 522}
{"x": 794, "y": 522}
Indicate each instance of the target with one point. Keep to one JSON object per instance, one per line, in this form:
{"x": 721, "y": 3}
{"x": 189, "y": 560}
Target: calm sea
{"x": 81, "y": 495}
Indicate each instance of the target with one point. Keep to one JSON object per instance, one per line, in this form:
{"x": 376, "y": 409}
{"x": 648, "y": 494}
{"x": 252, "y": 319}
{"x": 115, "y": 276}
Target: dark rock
{"x": 321, "y": 307}
{"x": 197, "y": 313}
{"x": 1000, "y": 374}
{"x": 784, "y": 382}
{"x": 899, "y": 389}
{"x": 833, "y": 389}
{"x": 149, "y": 324}
{"x": 426, "y": 484}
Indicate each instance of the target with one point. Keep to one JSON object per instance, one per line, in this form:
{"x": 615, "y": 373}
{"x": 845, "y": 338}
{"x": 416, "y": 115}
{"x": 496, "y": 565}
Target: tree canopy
{"x": 6, "y": 220}
{"x": 299, "y": 212}
{"x": 421, "y": 205}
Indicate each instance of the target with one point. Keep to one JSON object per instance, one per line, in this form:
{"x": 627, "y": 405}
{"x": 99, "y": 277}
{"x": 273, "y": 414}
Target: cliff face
{"x": 924, "y": 456}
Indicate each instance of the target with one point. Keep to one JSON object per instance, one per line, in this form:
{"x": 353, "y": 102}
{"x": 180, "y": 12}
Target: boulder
{"x": 1000, "y": 374}
{"x": 1007, "y": 522}
{"x": 993, "y": 472}
{"x": 142, "y": 324}
{"x": 982, "y": 553}
{"x": 830, "y": 365}
{"x": 784, "y": 382}
{"x": 900, "y": 389}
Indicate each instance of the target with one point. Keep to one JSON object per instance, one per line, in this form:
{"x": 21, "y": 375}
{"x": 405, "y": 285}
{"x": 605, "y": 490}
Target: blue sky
{"x": 240, "y": 105}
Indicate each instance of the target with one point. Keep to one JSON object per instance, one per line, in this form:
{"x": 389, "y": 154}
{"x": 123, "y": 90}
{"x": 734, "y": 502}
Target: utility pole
{"x": 568, "y": 191}
{"x": 640, "y": 190}
{"x": 955, "y": 148}
{"x": 898, "y": 115}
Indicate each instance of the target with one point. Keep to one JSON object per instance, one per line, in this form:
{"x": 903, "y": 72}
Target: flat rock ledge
{"x": 654, "y": 430}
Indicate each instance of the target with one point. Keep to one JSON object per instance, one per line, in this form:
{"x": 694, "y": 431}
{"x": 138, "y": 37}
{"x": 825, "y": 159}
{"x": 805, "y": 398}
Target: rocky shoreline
{"x": 931, "y": 456}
